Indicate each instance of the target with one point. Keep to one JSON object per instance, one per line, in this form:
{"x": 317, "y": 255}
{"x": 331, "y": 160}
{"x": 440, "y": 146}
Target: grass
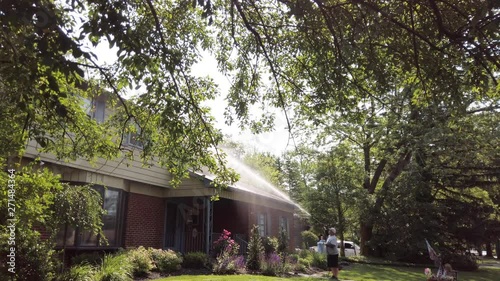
{"x": 355, "y": 272}
{"x": 244, "y": 277}
{"x": 368, "y": 272}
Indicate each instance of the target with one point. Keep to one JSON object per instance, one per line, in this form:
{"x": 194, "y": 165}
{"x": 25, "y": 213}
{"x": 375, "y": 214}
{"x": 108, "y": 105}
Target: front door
{"x": 174, "y": 227}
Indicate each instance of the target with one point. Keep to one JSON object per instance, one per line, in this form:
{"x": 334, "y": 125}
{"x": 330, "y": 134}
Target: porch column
{"x": 208, "y": 223}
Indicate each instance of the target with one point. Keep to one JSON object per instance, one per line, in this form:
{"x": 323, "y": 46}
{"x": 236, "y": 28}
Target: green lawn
{"x": 366, "y": 272}
{"x": 356, "y": 272}
{"x": 245, "y": 277}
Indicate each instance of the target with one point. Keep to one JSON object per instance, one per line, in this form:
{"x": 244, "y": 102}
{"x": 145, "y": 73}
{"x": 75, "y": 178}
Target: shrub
{"x": 223, "y": 242}
{"x": 293, "y": 258}
{"x": 255, "y": 249}
{"x": 305, "y": 253}
{"x": 270, "y": 265}
{"x": 195, "y": 260}
{"x": 35, "y": 258}
{"x": 79, "y": 272}
{"x": 298, "y": 267}
{"x": 461, "y": 262}
{"x": 282, "y": 242}
{"x": 273, "y": 265}
{"x": 165, "y": 261}
{"x": 309, "y": 238}
{"x": 305, "y": 262}
{"x": 270, "y": 245}
{"x": 141, "y": 261}
{"x": 319, "y": 260}
{"x": 92, "y": 258}
{"x": 225, "y": 264}
{"x": 115, "y": 268}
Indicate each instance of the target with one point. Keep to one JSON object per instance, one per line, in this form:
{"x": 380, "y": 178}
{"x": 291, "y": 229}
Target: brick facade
{"x": 144, "y": 223}
{"x": 230, "y": 215}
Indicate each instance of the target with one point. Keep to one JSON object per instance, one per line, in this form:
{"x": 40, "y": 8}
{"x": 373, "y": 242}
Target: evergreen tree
{"x": 255, "y": 249}
{"x": 282, "y": 241}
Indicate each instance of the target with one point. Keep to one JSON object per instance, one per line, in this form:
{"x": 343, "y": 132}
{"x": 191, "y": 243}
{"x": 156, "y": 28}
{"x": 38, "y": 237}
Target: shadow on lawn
{"x": 377, "y": 272}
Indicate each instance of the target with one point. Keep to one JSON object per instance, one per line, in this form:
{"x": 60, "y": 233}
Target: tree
{"x": 381, "y": 73}
{"x": 283, "y": 242}
{"x": 267, "y": 165}
{"x": 318, "y": 52}
{"x": 48, "y": 68}
{"x": 298, "y": 170}
{"x": 39, "y": 202}
{"x": 255, "y": 249}
{"x": 78, "y": 207}
{"x": 335, "y": 198}
{"x": 385, "y": 75}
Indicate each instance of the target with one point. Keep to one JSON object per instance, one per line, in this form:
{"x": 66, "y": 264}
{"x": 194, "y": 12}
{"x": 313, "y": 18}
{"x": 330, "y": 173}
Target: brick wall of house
{"x": 230, "y": 215}
{"x": 144, "y": 221}
{"x": 273, "y": 216}
{"x": 44, "y": 233}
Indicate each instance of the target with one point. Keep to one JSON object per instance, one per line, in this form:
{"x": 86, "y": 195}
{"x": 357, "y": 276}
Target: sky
{"x": 275, "y": 142}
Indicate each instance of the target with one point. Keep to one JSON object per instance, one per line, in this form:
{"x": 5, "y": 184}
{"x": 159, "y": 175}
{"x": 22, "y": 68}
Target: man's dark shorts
{"x": 332, "y": 260}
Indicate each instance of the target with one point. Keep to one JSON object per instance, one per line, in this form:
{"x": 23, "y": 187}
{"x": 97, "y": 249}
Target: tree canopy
{"x": 410, "y": 87}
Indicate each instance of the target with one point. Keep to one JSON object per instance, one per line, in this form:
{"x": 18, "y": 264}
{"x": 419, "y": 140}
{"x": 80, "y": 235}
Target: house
{"x": 144, "y": 210}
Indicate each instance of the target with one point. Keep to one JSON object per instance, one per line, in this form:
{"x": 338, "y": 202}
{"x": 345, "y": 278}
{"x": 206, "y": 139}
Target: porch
{"x": 193, "y": 223}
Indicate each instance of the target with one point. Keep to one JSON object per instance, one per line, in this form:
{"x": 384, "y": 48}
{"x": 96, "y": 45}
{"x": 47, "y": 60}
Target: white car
{"x": 351, "y": 249}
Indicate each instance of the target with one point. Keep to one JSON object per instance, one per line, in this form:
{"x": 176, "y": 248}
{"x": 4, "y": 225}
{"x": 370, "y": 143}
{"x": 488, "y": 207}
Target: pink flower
{"x": 427, "y": 271}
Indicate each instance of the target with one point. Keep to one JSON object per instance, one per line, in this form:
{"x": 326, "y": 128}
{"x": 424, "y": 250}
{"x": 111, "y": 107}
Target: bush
{"x": 299, "y": 267}
{"x": 115, "y": 268}
{"x": 282, "y": 241}
{"x": 309, "y": 238}
{"x": 79, "y": 272}
{"x": 293, "y": 258}
{"x": 461, "y": 262}
{"x": 141, "y": 261}
{"x": 35, "y": 258}
{"x": 92, "y": 258}
{"x": 273, "y": 265}
{"x": 319, "y": 260}
{"x": 255, "y": 249}
{"x": 305, "y": 262}
{"x": 305, "y": 253}
{"x": 165, "y": 261}
{"x": 270, "y": 265}
{"x": 270, "y": 245}
{"x": 225, "y": 264}
{"x": 195, "y": 260}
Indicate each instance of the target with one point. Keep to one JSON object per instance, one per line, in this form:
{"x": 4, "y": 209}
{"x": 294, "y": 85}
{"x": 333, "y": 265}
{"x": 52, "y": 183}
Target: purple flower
{"x": 273, "y": 259}
{"x": 239, "y": 262}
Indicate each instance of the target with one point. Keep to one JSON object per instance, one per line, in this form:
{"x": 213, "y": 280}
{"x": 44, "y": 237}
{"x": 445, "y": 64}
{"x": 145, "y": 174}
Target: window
{"x": 284, "y": 224}
{"x": 95, "y": 108}
{"x": 112, "y": 228}
{"x": 134, "y": 138}
{"x": 262, "y": 224}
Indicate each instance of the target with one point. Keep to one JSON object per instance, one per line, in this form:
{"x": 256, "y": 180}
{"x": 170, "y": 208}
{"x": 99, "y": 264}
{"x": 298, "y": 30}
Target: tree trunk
{"x": 497, "y": 248}
{"x": 489, "y": 250}
{"x": 366, "y": 235}
{"x": 341, "y": 224}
